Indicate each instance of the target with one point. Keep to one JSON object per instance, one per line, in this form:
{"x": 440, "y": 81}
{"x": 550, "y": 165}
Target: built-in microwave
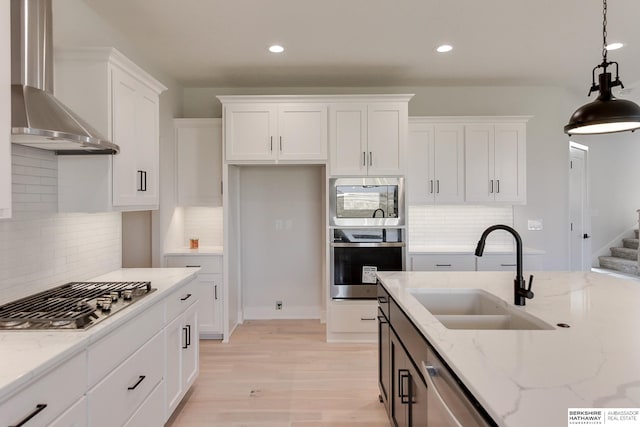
{"x": 366, "y": 201}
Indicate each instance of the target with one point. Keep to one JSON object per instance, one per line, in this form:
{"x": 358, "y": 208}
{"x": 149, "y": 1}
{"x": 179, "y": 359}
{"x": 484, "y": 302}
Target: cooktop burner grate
{"x": 70, "y": 306}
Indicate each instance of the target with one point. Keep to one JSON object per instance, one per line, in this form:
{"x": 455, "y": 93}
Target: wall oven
{"x": 366, "y": 201}
{"x": 357, "y": 254}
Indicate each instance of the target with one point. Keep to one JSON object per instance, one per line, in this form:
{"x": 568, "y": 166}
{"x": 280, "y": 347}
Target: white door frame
{"x": 585, "y": 263}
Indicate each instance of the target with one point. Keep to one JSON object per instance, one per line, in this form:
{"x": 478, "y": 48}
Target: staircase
{"x": 625, "y": 258}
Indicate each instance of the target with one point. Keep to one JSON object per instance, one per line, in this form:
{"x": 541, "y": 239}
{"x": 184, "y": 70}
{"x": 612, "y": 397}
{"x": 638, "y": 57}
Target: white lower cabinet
{"x": 123, "y": 378}
{"x": 41, "y": 402}
{"x": 182, "y": 356}
{"x": 151, "y": 412}
{"x": 75, "y": 416}
{"x": 209, "y": 291}
{"x": 507, "y": 262}
{"x": 122, "y": 392}
{"x": 352, "y": 320}
{"x": 442, "y": 262}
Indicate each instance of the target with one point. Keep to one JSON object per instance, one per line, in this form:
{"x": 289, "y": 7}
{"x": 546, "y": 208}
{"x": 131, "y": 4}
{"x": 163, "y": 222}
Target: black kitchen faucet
{"x": 520, "y": 291}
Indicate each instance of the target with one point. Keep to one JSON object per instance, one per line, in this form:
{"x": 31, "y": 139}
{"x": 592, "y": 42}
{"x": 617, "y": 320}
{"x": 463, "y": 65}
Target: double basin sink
{"x": 475, "y": 309}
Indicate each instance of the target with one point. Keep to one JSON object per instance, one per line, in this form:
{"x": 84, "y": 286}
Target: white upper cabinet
{"x": 495, "y": 163}
{"x": 5, "y": 112}
{"x": 267, "y": 130}
{"x": 198, "y": 162}
{"x": 122, "y": 101}
{"x": 435, "y": 171}
{"x": 368, "y": 138}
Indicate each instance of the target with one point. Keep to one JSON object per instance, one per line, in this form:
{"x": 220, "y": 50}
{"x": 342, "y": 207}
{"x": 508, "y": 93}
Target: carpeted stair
{"x": 625, "y": 258}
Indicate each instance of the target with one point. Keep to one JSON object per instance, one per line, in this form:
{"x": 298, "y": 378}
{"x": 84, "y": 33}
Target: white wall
{"x": 547, "y": 145}
{"x": 40, "y": 248}
{"x": 281, "y": 217}
{"x": 75, "y": 23}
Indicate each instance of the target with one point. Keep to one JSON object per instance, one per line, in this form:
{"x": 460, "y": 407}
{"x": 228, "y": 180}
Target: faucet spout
{"x": 520, "y": 291}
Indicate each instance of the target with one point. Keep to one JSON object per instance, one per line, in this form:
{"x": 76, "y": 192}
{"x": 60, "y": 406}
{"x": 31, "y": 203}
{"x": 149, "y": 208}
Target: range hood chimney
{"x": 38, "y": 119}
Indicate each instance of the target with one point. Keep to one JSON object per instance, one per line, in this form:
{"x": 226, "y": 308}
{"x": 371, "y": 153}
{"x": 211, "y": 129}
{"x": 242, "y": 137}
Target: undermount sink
{"x": 475, "y": 309}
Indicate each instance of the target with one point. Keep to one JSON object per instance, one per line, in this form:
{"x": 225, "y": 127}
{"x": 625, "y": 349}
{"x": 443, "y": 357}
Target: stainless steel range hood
{"x": 38, "y": 119}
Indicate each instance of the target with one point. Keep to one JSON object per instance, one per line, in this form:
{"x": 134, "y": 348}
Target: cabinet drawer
{"x": 179, "y": 300}
{"x": 121, "y": 393}
{"x": 507, "y": 262}
{"x": 443, "y": 262}
{"x": 151, "y": 412}
{"x": 69, "y": 377}
{"x": 209, "y": 264}
{"x": 346, "y": 316}
{"x": 76, "y": 416}
{"x": 107, "y": 353}
{"x": 383, "y": 300}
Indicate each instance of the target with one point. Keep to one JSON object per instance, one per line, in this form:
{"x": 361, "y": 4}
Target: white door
{"x": 478, "y": 158}
{"x": 448, "y": 163}
{"x": 302, "y": 130}
{"x": 580, "y": 244}
{"x": 419, "y": 184}
{"x": 348, "y": 139}
{"x": 386, "y": 136}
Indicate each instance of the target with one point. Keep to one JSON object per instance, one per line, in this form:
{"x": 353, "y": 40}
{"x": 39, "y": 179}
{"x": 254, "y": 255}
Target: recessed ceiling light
{"x": 444, "y": 48}
{"x": 276, "y": 48}
{"x": 614, "y": 46}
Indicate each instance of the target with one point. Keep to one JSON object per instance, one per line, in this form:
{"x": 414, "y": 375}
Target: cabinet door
{"x": 250, "y": 131}
{"x": 302, "y": 130}
{"x": 348, "y": 139}
{"x": 400, "y": 381}
{"x": 125, "y": 173}
{"x": 147, "y": 137}
{"x": 448, "y": 163}
{"x": 174, "y": 337}
{"x": 384, "y": 358}
{"x": 420, "y": 172}
{"x": 190, "y": 356}
{"x": 479, "y": 166}
{"x": 386, "y": 138}
{"x": 417, "y": 398}
{"x": 510, "y": 174}
{"x": 198, "y": 162}
{"x": 210, "y": 303}
{"x": 5, "y": 114}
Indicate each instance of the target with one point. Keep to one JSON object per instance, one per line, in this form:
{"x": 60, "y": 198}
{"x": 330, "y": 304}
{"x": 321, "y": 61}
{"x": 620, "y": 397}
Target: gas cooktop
{"x": 72, "y": 306}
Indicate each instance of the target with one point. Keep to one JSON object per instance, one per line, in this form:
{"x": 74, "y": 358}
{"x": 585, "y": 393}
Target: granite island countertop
{"x": 530, "y": 378}
{"x": 28, "y": 354}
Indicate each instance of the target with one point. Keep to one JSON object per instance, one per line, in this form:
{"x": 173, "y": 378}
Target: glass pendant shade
{"x": 604, "y": 115}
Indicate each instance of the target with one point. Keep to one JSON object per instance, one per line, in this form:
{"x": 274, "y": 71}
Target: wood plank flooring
{"x": 282, "y": 373}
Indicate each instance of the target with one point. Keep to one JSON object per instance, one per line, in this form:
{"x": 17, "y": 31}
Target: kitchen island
{"x": 532, "y": 377}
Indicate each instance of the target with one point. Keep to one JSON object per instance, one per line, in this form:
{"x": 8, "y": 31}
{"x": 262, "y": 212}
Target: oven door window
{"x": 349, "y": 262}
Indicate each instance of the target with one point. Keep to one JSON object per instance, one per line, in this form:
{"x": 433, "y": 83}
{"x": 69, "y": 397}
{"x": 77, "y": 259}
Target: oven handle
{"x": 369, "y": 245}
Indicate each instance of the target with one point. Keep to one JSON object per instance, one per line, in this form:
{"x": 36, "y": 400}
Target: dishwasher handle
{"x": 430, "y": 371}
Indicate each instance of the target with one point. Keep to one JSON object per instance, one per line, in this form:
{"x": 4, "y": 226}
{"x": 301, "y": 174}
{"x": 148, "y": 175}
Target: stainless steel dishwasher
{"x": 447, "y": 402}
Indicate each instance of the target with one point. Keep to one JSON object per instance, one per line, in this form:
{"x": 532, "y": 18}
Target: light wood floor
{"x": 282, "y": 373}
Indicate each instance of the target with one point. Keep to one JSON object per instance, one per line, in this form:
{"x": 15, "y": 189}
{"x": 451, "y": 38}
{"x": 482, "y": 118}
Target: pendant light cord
{"x": 604, "y": 31}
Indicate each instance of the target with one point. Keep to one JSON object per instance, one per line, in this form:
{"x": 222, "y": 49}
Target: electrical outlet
{"x": 278, "y": 305}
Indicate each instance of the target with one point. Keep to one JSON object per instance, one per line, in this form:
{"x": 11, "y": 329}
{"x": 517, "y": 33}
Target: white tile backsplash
{"x": 451, "y": 226}
{"x": 40, "y": 248}
{"x": 203, "y": 223}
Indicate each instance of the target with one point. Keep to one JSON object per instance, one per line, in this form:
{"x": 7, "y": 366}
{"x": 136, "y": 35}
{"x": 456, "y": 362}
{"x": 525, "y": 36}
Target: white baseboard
{"x": 295, "y": 312}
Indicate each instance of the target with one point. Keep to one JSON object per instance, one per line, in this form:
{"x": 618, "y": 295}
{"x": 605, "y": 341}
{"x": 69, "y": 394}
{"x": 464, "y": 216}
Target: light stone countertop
{"x": 201, "y": 251}
{"x": 532, "y": 378}
{"x": 26, "y": 355}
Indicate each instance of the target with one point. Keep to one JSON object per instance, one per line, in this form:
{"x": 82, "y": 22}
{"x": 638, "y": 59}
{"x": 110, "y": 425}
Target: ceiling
{"x": 223, "y": 43}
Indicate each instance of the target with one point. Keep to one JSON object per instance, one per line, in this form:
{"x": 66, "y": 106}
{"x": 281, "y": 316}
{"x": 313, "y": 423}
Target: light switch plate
{"x": 534, "y": 224}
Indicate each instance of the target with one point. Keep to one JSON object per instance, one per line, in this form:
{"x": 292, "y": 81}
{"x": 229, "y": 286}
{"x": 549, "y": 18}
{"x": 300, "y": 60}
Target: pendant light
{"x": 607, "y": 114}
